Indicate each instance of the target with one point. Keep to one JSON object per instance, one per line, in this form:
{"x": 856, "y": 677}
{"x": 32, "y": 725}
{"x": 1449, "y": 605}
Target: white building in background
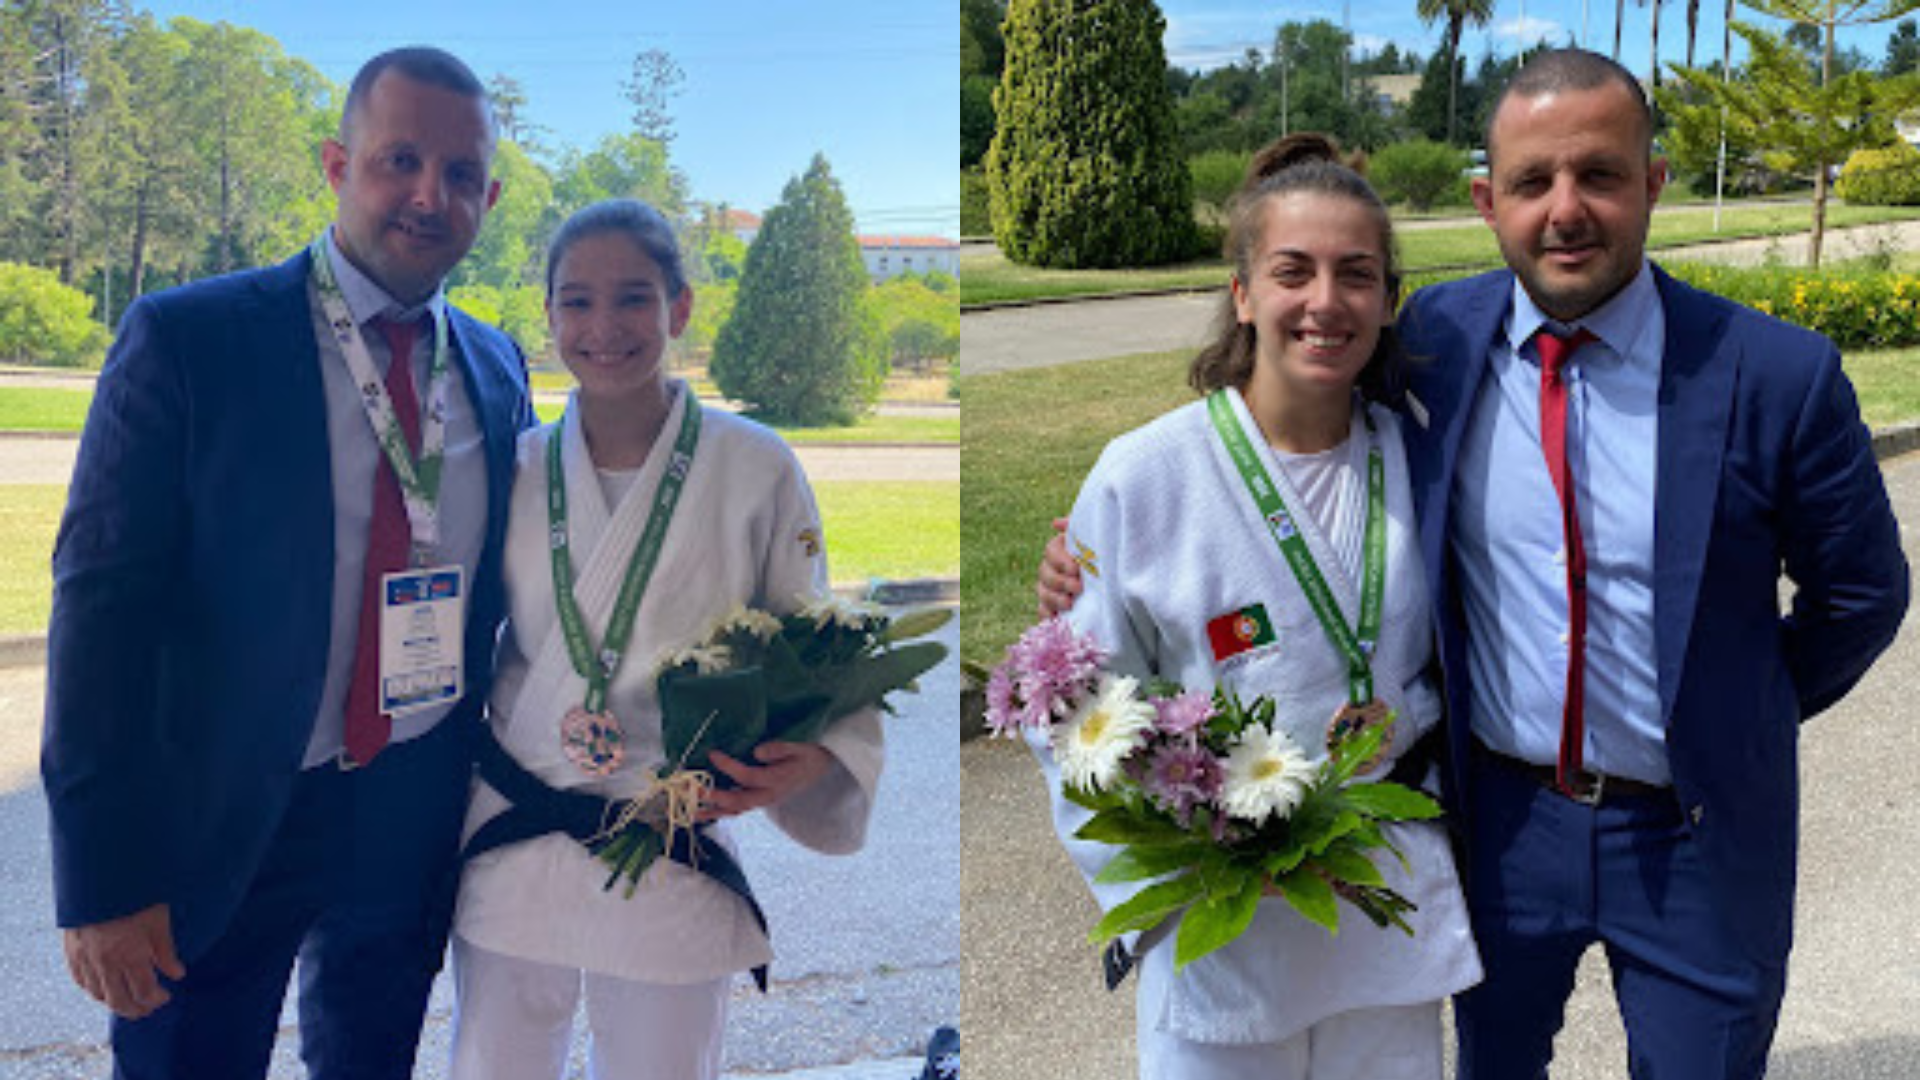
{"x": 885, "y": 256}
{"x": 890, "y": 256}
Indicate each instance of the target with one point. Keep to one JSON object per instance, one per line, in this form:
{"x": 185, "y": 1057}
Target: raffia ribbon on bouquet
{"x": 667, "y": 805}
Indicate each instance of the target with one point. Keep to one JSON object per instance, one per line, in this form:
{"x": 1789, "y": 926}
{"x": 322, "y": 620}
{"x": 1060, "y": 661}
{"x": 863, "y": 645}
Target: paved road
{"x": 869, "y": 945}
{"x": 1030, "y": 983}
{"x": 39, "y": 460}
{"x": 1007, "y": 339}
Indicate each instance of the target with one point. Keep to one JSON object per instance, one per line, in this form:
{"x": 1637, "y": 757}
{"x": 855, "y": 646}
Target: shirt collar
{"x": 366, "y": 299}
{"x": 1619, "y": 323}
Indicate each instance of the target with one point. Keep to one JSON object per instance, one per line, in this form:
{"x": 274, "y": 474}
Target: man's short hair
{"x": 1557, "y": 70}
{"x": 423, "y": 64}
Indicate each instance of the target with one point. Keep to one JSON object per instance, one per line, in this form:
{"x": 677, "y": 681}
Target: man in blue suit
{"x": 1625, "y": 693}
{"x": 239, "y": 770}
{"x": 1605, "y": 519}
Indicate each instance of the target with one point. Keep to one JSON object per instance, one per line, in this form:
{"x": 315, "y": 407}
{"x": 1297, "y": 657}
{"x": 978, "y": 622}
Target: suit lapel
{"x": 1698, "y": 371}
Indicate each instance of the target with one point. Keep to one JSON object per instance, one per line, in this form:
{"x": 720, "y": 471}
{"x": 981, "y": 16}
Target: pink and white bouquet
{"x": 1204, "y": 795}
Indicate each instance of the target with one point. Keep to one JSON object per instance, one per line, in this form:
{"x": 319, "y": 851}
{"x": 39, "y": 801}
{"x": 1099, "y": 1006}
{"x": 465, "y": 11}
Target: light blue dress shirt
{"x": 1511, "y": 553}
{"x": 354, "y": 453}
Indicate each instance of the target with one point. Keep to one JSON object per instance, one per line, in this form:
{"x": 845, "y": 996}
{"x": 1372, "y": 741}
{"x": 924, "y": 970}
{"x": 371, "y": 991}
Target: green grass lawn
{"x": 986, "y": 278}
{"x": 890, "y": 529}
{"x": 874, "y": 530}
{"x": 935, "y": 430}
{"x": 29, "y": 516}
{"x": 43, "y": 408}
{"x": 1032, "y": 436}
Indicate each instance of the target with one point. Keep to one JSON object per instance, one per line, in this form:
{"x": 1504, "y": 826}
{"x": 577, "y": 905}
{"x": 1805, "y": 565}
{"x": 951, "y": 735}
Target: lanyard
{"x": 419, "y": 478}
{"x": 1357, "y": 648}
{"x": 598, "y": 670}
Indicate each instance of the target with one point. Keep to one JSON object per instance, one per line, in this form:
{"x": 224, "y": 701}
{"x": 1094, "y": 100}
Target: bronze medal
{"x": 1350, "y": 720}
{"x": 592, "y": 741}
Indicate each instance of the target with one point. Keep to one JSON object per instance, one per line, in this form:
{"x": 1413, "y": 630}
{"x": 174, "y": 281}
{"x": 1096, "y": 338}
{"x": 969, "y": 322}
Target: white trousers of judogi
{"x": 514, "y": 1021}
{"x": 1395, "y": 1043}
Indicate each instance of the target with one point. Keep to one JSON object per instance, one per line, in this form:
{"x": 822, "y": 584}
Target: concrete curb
{"x": 30, "y": 650}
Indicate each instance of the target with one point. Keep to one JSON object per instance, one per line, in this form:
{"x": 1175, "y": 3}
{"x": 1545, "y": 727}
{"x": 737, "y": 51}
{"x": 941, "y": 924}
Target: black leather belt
{"x": 1591, "y": 788}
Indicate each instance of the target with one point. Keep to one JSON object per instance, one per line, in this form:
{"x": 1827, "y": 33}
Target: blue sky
{"x": 873, "y": 84}
{"x": 1208, "y": 33}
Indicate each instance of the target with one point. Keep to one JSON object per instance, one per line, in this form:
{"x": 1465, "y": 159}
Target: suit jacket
{"x": 1764, "y": 466}
{"x": 193, "y": 584}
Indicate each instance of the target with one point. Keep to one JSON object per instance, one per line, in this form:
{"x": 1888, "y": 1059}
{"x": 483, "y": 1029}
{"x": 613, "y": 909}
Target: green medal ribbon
{"x": 598, "y": 669}
{"x": 1356, "y": 647}
{"x": 419, "y": 477}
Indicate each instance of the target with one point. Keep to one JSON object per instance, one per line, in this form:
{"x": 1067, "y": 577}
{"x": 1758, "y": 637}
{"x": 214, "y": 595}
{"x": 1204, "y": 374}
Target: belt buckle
{"x": 1587, "y": 788}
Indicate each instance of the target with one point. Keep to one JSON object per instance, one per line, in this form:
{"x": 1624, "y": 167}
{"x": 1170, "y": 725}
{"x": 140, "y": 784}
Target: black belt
{"x": 1589, "y": 787}
{"x": 538, "y": 810}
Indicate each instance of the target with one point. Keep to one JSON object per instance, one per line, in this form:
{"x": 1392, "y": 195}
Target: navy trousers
{"x": 359, "y": 887}
{"x": 1546, "y": 878}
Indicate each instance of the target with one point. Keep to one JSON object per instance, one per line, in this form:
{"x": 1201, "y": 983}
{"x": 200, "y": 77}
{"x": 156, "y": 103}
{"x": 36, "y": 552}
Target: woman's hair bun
{"x": 1305, "y": 148}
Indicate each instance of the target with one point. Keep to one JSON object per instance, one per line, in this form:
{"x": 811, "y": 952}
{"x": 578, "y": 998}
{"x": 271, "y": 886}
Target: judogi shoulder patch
{"x": 1238, "y": 631}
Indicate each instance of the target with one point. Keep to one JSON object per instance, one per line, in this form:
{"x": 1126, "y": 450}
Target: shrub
{"x": 975, "y": 217}
{"x": 1418, "y": 173}
{"x": 1854, "y": 307}
{"x": 1889, "y": 177}
{"x": 45, "y": 322}
{"x": 1216, "y": 175}
{"x": 1085, "y": 167}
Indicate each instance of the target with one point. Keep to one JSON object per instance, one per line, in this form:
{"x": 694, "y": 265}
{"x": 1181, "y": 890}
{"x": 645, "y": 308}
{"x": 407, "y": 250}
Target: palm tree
{"x": 1653, "y": 54}
{"x": 1693, "y": 27}
{"x": 1457, "y": 14}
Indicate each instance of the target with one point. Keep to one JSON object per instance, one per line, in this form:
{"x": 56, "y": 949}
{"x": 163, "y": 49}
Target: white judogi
{"x": 746, "y": 532}
{"x": 1169, "y": 540}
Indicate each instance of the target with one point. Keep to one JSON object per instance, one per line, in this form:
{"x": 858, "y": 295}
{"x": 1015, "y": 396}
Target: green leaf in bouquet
{"x": 1117, "y": 825}
{"x": 869, "y": 680}
{"x": 1223, "y": 914}
{"x": 916, "y": 623}
{"x": 1146, "y": 908}
{"x": 1091, "y": 800}
{"x": 1140, "y": 863}
{"x": 1343, "y": 823}
{"x": 1312, "y": 897}
{"x": 1392, "y": 802}
{"x": 725, "y": 710}
{"x": 1282, "y": 860}
{"x": 1343, "y": 862}
{"x": 1354, "y": 751}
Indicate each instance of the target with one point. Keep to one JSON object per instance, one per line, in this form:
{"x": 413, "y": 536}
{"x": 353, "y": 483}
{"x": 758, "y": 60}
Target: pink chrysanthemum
{"x": 1054, "y": 669}
{"x": 1003, "y": 707}
{"x": 1183, "y": 777}
{"x": 1184, "y": 714}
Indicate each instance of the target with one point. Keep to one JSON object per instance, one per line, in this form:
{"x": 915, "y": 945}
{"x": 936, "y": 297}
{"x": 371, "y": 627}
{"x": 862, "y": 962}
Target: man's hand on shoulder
{"x": 1059, "y": 581}
{"x": 119, "y": 962}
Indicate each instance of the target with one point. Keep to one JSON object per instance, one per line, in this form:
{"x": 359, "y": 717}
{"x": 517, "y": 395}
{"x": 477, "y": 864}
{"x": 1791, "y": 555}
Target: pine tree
{"x": 801, "y": 347}
{"x": 1085, "y": 167}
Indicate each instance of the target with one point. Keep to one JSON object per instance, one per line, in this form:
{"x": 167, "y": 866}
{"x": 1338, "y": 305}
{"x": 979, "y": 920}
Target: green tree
{"x": 1455, "y": 15}
{"x": 510, "y": 250}
{"x": 629, "y": 166}
{"x": 801, "y": 346}
{"x": 920, "y": 319}
{"x": 652, "y": 86}
{"x": 1903, "y": 49}
{"x": 44, "y": 321}
{"x": 1776, "y": 105}
{"x": 1085, "y": 169}
{"x": 1417, "y": 173}
{"x": 976, "y": 118}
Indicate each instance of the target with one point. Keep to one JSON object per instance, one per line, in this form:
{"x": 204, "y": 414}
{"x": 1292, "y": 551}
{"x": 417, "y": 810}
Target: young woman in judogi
{"x": 695, "y": 512}
{"x": 1186, "y": 577}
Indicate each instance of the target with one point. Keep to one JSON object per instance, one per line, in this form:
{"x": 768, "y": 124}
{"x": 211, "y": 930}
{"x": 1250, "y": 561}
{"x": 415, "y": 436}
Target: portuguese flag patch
{"x": 1236, "y": 632}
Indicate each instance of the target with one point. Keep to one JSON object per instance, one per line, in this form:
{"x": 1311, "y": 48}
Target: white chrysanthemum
{"x": 706, "y": 659}
{"x": 1096, "y": 739}
{"x": 852, "y": 614}
{"x": 1267, "y": 775}
{"x": 753, "y": 621}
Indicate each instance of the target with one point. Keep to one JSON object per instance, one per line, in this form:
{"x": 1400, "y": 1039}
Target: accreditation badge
{"x": 422, "y": 638}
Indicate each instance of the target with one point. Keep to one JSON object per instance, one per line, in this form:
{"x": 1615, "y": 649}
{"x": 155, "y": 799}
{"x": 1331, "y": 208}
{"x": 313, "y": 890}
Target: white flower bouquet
{"x": 1204, "y": 796}
{"x": 755, "y": 677}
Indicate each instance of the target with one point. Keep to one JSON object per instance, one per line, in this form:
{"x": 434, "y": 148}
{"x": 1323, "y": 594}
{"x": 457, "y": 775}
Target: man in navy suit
{"x": 1624, "y": 693}
{"x": 239, "y": 772}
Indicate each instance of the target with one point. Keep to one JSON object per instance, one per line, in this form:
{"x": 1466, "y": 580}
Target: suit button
{"x": 1697, "y": 813}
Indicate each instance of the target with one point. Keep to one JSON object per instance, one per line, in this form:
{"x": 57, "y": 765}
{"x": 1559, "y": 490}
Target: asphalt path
{"x": 868, "y": 945}
{"x": 1040, "y": 335}
{"x": 1031, "y": 984}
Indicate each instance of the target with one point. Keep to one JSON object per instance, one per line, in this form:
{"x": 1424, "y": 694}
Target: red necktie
{"x": 389, "y": 543}
{"x": 1555, "y": 351}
